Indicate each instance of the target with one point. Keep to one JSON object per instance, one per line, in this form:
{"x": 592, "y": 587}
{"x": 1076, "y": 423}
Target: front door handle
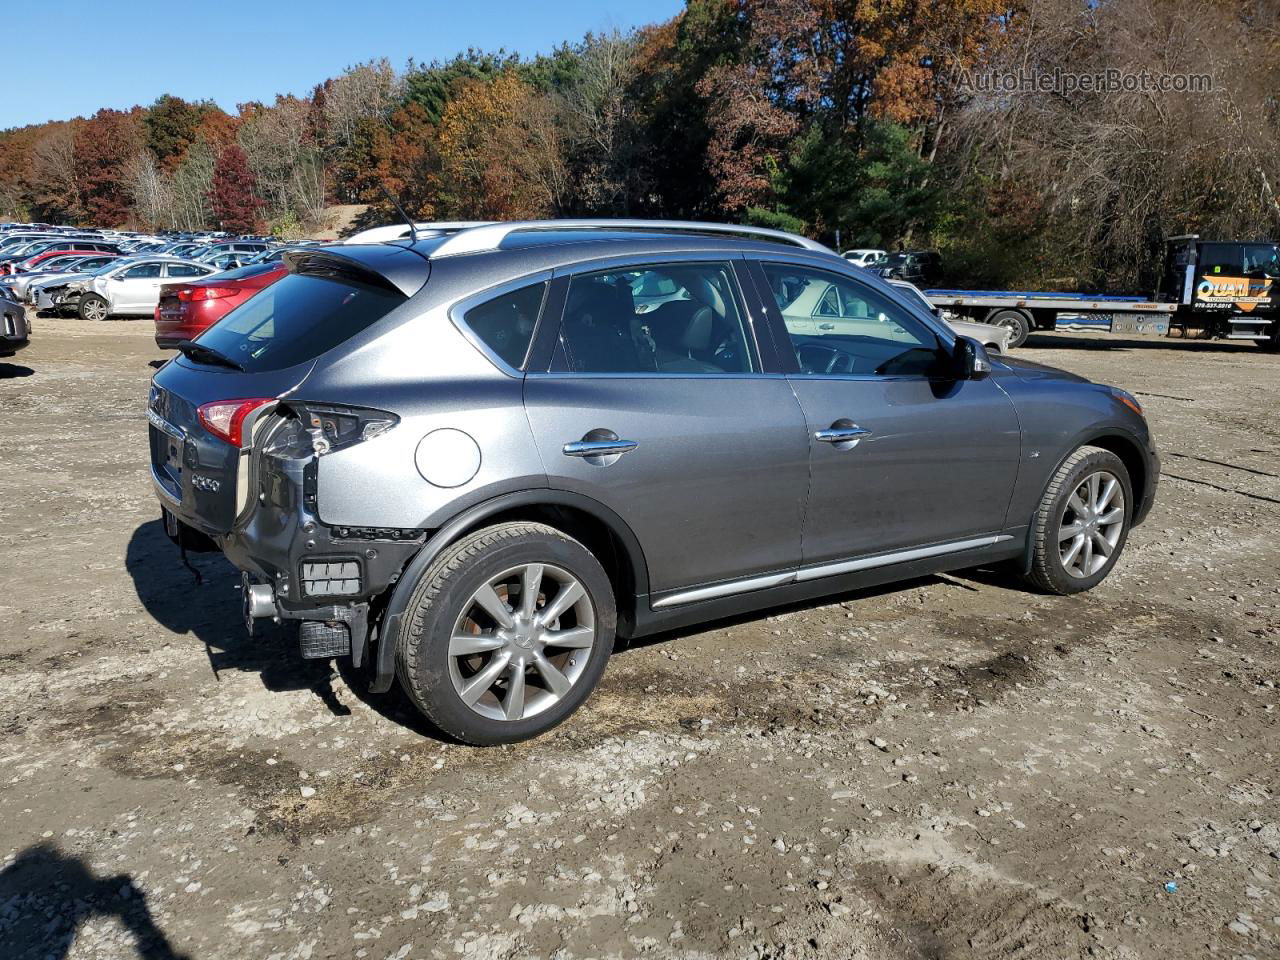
{"x": 598, "y": 448}
{"x": 842, "y": 431}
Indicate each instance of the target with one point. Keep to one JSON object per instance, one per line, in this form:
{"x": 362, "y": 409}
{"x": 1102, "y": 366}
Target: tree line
{"x": 874, "y": 121}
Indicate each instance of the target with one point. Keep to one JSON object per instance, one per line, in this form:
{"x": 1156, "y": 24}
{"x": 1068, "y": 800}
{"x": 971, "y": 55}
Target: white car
{"x": 63, "y": 269}
{"x": 133, "y": 288}
{"x": 836, "y": 309}
{"x": 864, "y": 257}
{"x": 996, "y": 339}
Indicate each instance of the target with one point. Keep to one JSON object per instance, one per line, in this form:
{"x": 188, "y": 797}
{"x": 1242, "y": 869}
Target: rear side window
{"x": 505, "y": 324}
{"x": 185, "y": 270}
{"x": 298, "y": 318}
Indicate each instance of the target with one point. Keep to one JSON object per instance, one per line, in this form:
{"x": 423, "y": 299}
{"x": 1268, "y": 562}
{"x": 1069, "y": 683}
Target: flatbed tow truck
{"x": 1216, "y": 290}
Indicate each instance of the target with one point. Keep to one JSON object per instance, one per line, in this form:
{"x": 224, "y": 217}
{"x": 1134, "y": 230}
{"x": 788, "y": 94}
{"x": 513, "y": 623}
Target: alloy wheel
{"x": 1092, "y": 524}
{"x": 521, "y": 642}
{"x": 95, "y": 310}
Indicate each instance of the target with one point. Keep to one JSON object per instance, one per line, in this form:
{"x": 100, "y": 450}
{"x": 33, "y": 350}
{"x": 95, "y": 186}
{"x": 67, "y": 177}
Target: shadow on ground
{"x": 12, "y": 371}
{"x": 1064, "y": 341}
{"x": 210, "y": 612}
{"x": 46, "y": 894}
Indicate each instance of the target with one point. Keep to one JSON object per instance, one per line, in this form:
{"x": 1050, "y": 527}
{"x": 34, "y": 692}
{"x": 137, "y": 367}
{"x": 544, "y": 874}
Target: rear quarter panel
{"x": 429, "y": 375}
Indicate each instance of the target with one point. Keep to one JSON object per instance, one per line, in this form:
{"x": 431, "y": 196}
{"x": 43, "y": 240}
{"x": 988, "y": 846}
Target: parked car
{"x": 186, "y": 310}
{"x": 9, "y": 261}
{"x": 918, "y": 266}
{"x": 469, "y": 463}
{"x": 15, "y": 332}
{"x": 995, "y": 339}
{"x": 864, "y": 257}
{"x": 34, "y": 262}
{"x": 245, "y": 248}
{"x": 59, "y": 267}
{"x": 132, "y": 288}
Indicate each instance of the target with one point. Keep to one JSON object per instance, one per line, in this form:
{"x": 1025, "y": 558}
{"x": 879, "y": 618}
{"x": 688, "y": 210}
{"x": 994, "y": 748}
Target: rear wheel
{"x": 94, "y": 307}
{"x": 1083, "y": 522}
{"x": 1017, "y": 322}
{"x": 507, "y": 633}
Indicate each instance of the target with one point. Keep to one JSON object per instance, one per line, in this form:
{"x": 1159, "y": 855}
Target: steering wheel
{"x": 836, "y": 361}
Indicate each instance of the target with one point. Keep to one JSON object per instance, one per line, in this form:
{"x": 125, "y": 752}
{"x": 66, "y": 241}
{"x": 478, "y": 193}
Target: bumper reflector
{"x": 333, "y": 578}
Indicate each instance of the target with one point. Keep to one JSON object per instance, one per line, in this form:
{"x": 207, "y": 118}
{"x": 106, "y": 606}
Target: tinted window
{"x": 298, "y": 318}
{"x": 185, "y": 270}
{"x": 505, "y": 324}
{"x": 1220, "y": 259}
{"x": 142, "y": 271}
{"x": 868, "y": 334}
{"x": 679, "y": 318}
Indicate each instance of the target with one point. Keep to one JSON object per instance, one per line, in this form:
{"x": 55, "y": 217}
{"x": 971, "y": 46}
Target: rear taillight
{"x": 225, "y": 418}
{"x": 205, "y": 293}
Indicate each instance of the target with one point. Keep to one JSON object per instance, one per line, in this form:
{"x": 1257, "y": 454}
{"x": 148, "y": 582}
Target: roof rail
{"x": 477, "y": 239}
{"x": 400, "y": 231}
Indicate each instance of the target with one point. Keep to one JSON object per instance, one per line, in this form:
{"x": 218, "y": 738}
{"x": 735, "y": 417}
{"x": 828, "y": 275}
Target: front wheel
{"x": 1083, "y": 522}
{"x": 94, "y": 307}
{"x": 506, "y": 633}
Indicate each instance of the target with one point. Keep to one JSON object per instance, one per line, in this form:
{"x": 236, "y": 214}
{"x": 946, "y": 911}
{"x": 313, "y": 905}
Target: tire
{"x": 1271, "y": 345}
{"x": 1052, "y": 543}
{"x": 94, "y": 308}
{"x": 1014, "y": 320}
{"x": 438, "y": 660}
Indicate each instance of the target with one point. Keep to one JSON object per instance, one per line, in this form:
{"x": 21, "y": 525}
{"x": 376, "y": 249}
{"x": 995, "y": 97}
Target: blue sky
{"x": 232, "y": 51}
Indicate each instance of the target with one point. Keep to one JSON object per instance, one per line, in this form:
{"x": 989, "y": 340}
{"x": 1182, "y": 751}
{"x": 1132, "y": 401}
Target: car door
{"x": 903, "y": 455}
{"x": 133, "y": 288}
{"x": 666, "y": 418}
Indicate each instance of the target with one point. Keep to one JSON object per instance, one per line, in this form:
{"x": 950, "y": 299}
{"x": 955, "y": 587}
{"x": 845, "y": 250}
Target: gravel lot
{"x": 952, "y": 767}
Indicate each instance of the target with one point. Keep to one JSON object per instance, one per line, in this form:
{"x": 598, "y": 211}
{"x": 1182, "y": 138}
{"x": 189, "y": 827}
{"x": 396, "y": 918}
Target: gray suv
{"x": 472, "y": 458}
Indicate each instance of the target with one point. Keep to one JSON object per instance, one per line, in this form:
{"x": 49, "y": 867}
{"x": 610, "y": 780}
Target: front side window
{"x": 677, "y": 319}
{"x": 505, "y": 323}
{"x": 838, "y": 326}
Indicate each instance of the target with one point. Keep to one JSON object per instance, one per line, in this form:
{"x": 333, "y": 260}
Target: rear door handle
{"x": 598, "y": 448}
{"x": 841, "y": 434}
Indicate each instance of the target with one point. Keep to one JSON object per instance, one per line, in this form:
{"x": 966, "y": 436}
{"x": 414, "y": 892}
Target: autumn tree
{"x": 493, "y": 163}
{"x": 104, "y": 145}
{"x": 235, "y": 206}
{"x": 53, "y": 181}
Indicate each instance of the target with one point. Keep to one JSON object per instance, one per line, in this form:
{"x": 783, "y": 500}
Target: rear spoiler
{"x": 392, "y": 267}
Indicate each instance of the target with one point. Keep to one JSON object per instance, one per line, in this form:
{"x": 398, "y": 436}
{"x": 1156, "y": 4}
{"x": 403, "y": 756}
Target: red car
{"x": 33, "y": 263}
{"x": 186, "y": 310}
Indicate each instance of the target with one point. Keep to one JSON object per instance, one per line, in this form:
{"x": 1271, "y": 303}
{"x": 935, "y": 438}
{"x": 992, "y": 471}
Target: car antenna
{"x": 413, "y": 229}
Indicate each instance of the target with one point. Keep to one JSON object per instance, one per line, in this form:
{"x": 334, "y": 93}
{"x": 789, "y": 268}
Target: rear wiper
{"x": 203, "y": 354}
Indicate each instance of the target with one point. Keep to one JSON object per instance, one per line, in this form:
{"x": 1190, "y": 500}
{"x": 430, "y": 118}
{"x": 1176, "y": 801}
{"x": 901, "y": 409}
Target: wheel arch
{"x": 590, "y": 522}
{"x": 1130, "y": 452}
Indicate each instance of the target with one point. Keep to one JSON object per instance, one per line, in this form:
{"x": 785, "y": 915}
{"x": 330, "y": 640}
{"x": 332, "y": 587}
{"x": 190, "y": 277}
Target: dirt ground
{"x": 949, "y": 768}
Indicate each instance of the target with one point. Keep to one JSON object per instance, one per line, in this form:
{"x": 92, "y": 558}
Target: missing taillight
{"x": 320, "y": 429}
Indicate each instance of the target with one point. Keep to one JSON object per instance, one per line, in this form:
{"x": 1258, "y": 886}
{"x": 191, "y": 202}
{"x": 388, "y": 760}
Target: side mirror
{"x": 972, "y": 361}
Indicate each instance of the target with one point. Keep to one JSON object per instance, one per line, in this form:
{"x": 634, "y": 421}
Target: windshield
{"x": 298, "y": 318}
{"x": 895, "y": 259}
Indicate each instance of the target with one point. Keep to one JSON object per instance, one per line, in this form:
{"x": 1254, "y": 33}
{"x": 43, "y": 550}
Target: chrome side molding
{"x": 825, "y": 570}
